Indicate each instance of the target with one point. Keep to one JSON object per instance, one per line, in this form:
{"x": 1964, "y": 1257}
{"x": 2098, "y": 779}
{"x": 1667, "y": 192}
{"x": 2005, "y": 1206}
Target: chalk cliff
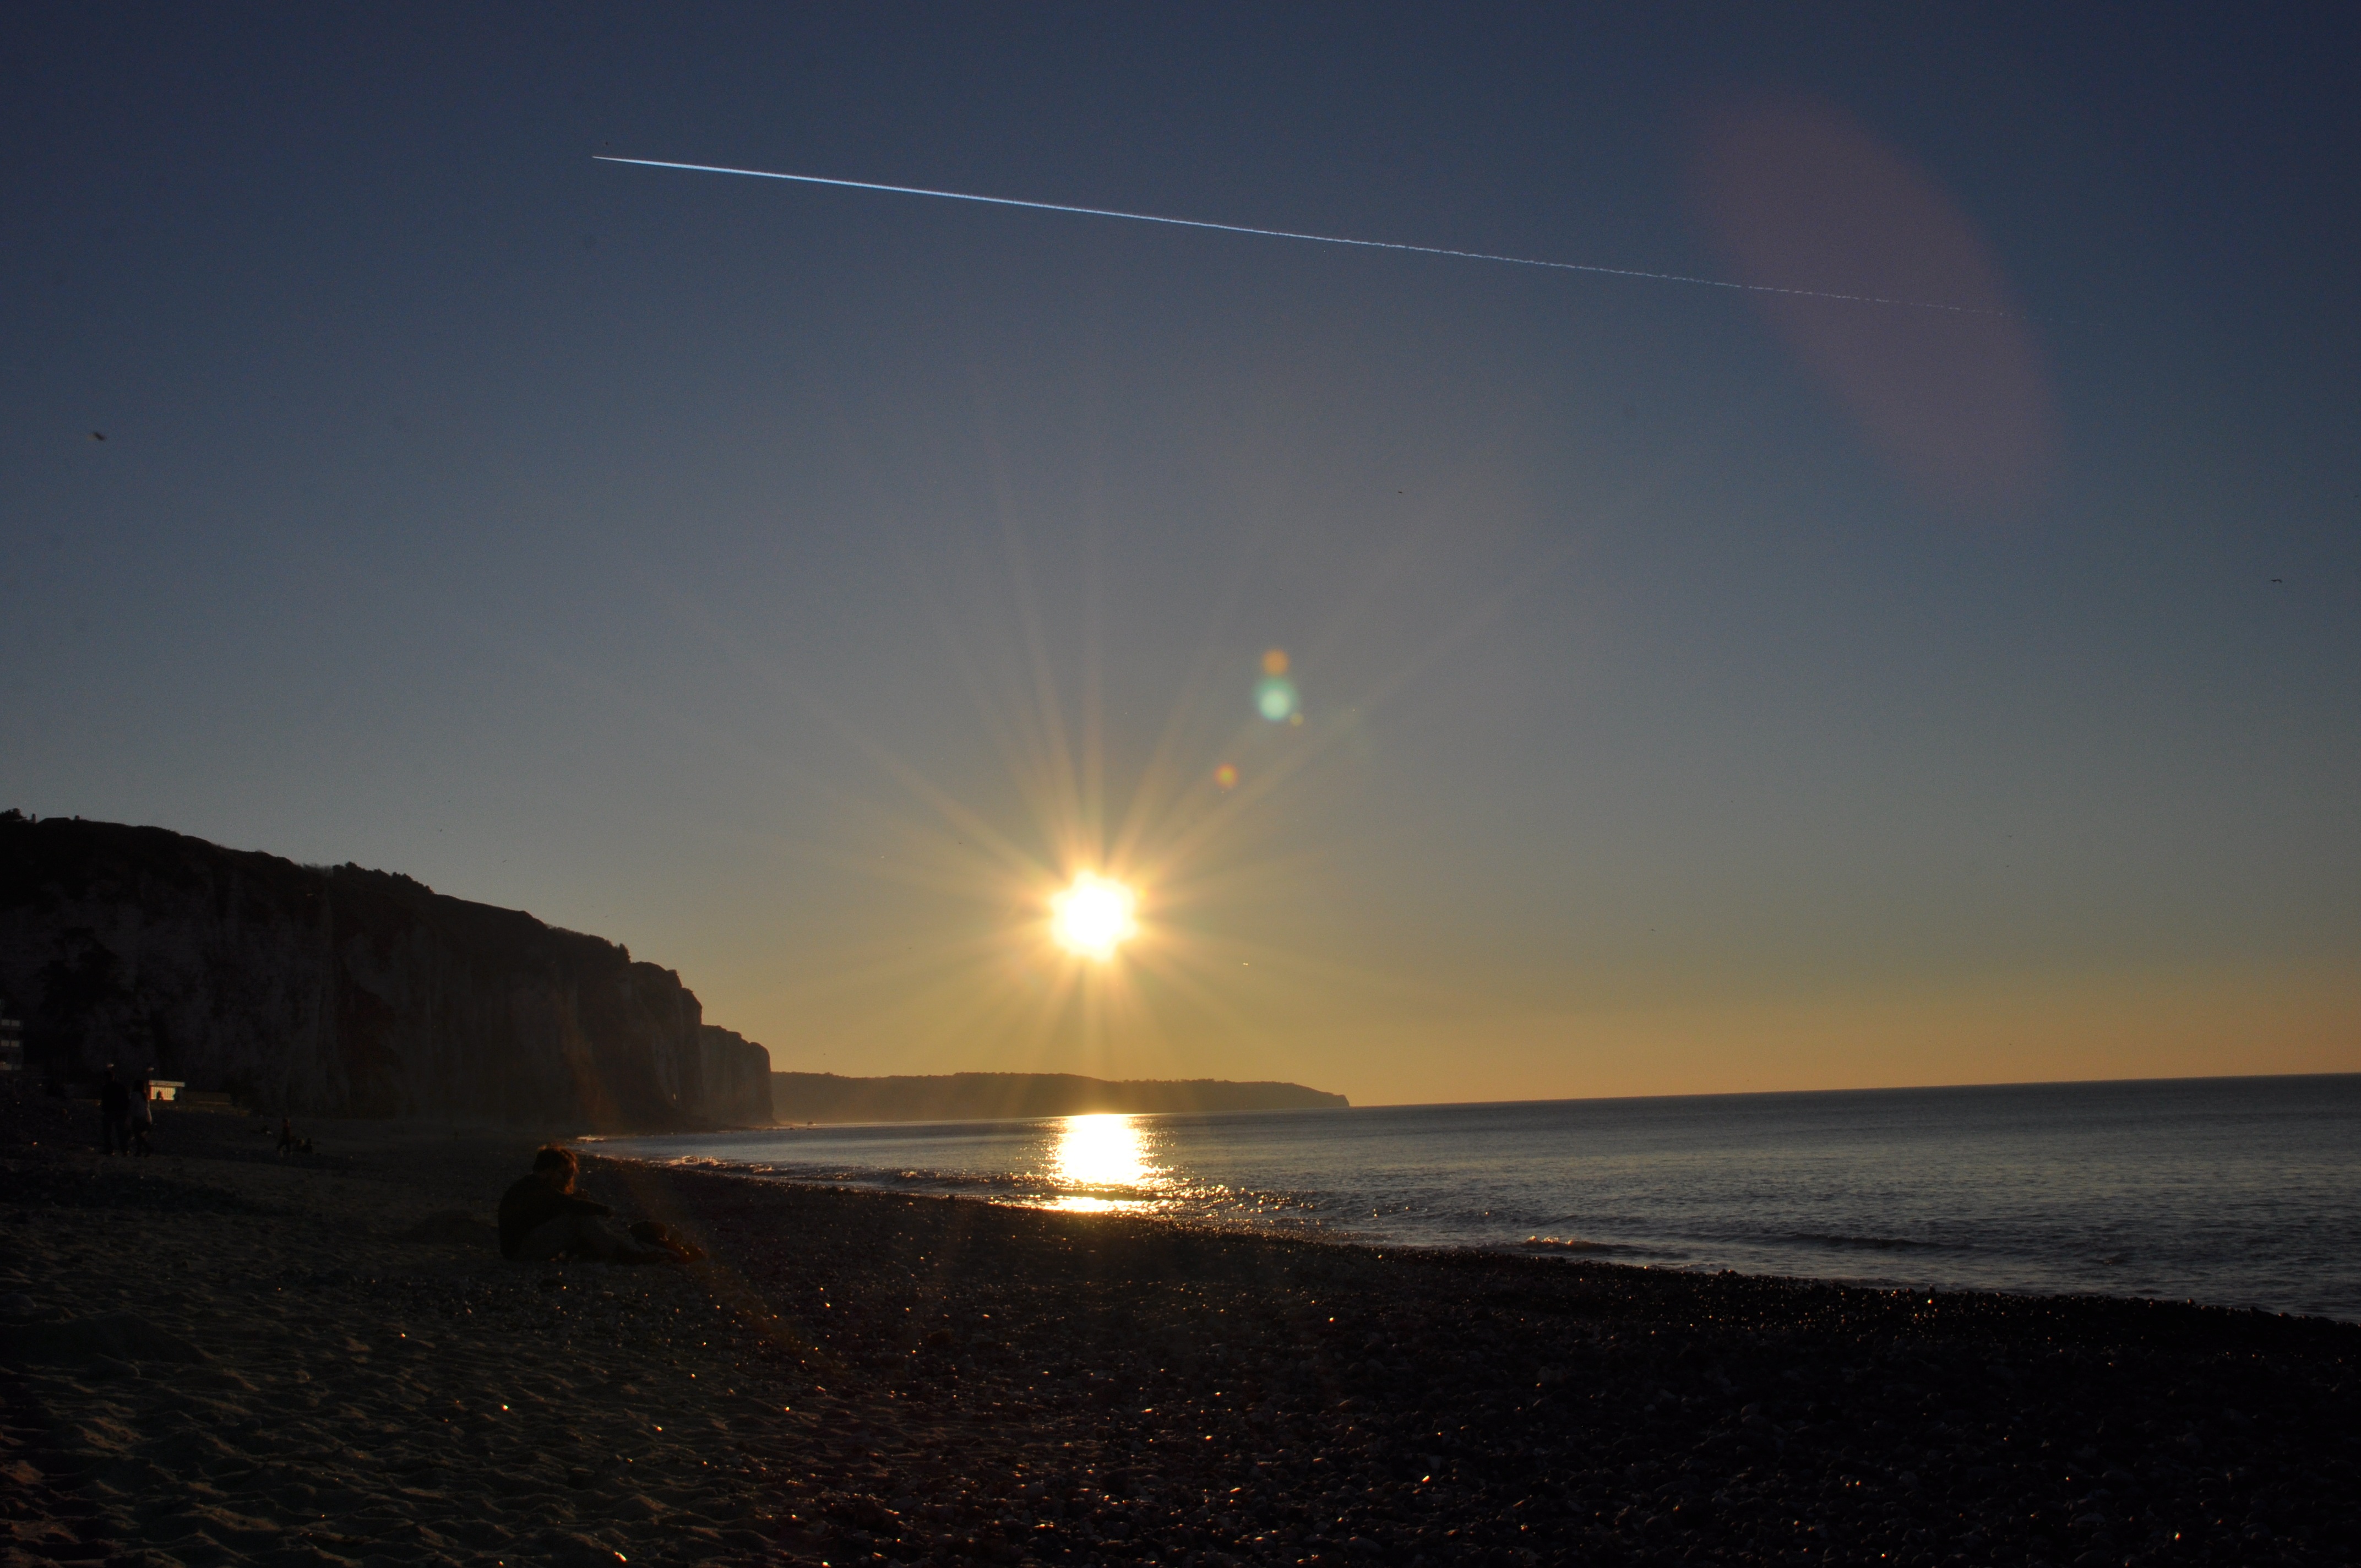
{"x": 340, "y": 991}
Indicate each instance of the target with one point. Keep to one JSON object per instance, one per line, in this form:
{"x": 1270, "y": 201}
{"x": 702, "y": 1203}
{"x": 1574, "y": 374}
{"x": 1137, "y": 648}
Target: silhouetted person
{"x": 541, "y": 1219}
{"x": 114, "y": 1113}
{"x": 143, "y": 1117}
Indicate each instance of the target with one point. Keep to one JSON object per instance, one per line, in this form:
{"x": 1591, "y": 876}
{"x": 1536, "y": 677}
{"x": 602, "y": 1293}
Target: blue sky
{"x": 796, "y": 585}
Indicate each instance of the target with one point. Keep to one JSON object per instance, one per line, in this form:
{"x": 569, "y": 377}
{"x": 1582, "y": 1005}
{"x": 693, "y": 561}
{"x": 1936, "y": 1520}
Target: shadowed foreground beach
{"x": 218, "y": 1356}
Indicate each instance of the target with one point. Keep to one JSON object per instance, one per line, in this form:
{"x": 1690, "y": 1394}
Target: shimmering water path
{"x": 2234, "y": 1192}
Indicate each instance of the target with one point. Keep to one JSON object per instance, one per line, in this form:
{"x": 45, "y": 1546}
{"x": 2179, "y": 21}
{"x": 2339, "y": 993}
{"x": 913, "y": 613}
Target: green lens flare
{"x": 1275, "y": 698}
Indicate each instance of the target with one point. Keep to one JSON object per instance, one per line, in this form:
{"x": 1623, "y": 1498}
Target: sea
{"x": 2241, "y": 1192}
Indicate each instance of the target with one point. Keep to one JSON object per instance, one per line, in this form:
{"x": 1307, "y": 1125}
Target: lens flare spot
{"x": 1274, "y": 663}
{"x": 1226, "y": 776}
{"x": 1275, "y": 698}
{"x": 1093, "y": 917}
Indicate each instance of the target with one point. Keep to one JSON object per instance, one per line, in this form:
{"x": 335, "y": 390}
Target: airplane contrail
{"x": 1317, "y": 238}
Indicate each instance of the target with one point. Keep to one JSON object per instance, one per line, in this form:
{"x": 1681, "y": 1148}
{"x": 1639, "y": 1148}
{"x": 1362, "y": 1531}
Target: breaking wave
{"x": 1556, "y": 1244}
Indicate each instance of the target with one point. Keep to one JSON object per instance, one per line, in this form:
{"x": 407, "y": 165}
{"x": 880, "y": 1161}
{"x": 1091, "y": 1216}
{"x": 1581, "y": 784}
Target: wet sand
{"x": 218, "y": 1356}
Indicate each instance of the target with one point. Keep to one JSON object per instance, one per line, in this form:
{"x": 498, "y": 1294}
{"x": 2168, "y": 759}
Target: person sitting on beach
{"x": 541, "y": 1219}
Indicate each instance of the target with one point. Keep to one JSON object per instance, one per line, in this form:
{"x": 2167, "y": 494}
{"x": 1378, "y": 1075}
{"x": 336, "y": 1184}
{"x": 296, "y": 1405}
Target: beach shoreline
{"x": 219, "y": 1355}
{"x": 2234, "y": 1195}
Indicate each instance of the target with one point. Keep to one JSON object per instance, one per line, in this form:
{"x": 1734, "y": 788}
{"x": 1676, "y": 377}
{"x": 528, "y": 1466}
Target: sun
{"x": 1093, "y": 917}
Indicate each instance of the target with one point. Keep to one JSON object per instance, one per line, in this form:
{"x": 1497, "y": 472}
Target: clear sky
{"x": 1700, "y": 690}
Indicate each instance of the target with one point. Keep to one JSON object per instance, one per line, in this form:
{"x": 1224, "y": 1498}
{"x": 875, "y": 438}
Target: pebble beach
{"x": 219, "y": 1355}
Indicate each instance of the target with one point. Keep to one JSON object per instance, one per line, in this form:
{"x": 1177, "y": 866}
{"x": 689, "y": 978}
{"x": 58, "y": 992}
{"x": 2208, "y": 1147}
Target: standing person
{"x": 143, "y": 1116}
{"x": 114, "y": 1112}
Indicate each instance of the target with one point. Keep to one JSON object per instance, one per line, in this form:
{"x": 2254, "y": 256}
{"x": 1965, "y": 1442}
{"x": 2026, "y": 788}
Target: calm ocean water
{"x": 2234, "y": 1192}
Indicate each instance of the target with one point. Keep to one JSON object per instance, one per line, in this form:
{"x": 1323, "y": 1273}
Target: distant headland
{"x": 986, "y": 1096}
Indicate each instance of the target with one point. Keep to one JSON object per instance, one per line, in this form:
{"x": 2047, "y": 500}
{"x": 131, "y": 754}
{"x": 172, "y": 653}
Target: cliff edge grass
{"x": 343, "y": 992}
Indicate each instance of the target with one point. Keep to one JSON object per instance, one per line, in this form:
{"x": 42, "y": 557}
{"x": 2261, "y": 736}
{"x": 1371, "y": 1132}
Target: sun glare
{"x": 1102, "y": 1161}
{"x": 1093, "y": 917}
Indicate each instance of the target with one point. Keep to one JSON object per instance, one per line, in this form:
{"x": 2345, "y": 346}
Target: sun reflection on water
{"x": 1103, "y": 1163}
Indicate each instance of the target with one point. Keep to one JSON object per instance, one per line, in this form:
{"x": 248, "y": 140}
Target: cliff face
{"x": 735, "y": 1073}
{"x": 343, "y": 992}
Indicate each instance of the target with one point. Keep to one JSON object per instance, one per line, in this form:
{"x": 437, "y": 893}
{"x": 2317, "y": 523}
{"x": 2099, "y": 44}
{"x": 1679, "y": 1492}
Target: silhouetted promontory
{"x": 336, "y": 991}
{"x": 978, "y": 1096}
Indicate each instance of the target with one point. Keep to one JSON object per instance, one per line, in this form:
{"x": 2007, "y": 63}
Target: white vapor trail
{"x": 1315, "y": 239}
